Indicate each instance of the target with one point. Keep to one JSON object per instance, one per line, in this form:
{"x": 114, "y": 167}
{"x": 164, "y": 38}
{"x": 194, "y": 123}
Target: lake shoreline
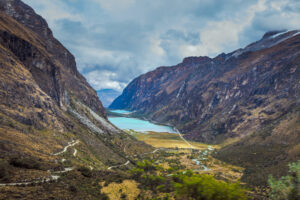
{"x": 112, "y": 114}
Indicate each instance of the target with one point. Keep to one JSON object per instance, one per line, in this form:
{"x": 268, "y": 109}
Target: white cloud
{"x": 104, "y": 79}
{"x": 214, "y": 38}
{"x": 124, "y": 38}
{"x": 53, "y": 10}
{"x": 219, "y": 36}
{"x": 115, "y": 5}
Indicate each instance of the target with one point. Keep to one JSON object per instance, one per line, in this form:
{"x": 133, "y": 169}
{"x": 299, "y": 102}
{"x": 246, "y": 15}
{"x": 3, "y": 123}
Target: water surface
{"x": 138, "y": 124}
{"x": 121, "y": 111}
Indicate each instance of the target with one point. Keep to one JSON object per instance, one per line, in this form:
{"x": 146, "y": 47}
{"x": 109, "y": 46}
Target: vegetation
{"x": 4, "y": 173}
{"x": 166, "y": 140}
{"x": 287, "y": 187}
{"x": 85, "y": 171}
{"x": 193, "y": 186}
{"x": 184, "y": 185}
{"x": 127, "y": 189}
{"x": 25, "y": 162}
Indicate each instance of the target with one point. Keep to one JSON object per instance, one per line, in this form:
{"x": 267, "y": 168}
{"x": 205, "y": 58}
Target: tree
{"x": 287, "y": 187}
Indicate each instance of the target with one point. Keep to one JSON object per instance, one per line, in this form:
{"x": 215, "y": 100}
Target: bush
{"x": 136, "y": 172}
{"x": 4, "y": 167}
{"x": 200, "y": 187}
{"x": 153, "y": 181}
{"x": 287, "y": 187}
{"x": 85, "y": 171}
{"x": 73, "y": 188}
{"x": 146, "y": 165}
{"x": 28, "y": 163}
{"x": 123, "y": 196}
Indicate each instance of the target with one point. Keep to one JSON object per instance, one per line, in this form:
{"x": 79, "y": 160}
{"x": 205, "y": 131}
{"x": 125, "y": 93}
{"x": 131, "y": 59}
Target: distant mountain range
{"x": 107, "y": 96}
{"x": 249, "y": 98}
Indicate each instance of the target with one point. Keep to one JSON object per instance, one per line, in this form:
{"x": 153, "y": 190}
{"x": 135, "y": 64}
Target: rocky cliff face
{"x": 52, "y": 66}
{"x": 210, "y": 99}
{"x": 45, "y": 103}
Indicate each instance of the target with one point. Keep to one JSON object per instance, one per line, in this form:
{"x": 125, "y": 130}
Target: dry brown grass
{"x": 115, "y": 190}
{"x": 167, "y": 140}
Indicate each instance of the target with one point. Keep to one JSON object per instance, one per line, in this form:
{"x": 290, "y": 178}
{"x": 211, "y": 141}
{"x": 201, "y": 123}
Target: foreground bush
{"x": 287, "y": 187}
{"x": 206, "y": 187}
{"x": 25, "y": 162}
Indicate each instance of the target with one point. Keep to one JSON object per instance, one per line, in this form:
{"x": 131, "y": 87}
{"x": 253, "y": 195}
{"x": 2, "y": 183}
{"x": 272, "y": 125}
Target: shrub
{"x": 85, "y": 171}
{"x": 123, "y": 196}
{"x": 136, "y": 172}
{"x": 73, "y": 188}
{"x": 171, "y": 170}
{"x": 4, "y": 167}
{"x": 25, "y": 162}
{"x": 146, "y": 165}
{"x": 153, "y": 181}
{"x": 287, "y": 187}
{"x": 207, "y": 187}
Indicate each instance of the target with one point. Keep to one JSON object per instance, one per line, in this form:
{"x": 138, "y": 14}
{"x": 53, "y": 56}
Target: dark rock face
{"x": 230, "y": 95}
{"x": 29, "y": 40}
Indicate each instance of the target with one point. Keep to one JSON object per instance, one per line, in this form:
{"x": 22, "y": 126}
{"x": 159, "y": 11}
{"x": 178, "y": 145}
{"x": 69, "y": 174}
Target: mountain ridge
{"x": 205, "y": 65}
{"x": 246, "y": 100}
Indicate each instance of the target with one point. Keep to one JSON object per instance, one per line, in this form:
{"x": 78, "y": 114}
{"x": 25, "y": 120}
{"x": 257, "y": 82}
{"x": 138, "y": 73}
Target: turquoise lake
{"x": 121, "y": 111}
{"x": 137, "y": 124}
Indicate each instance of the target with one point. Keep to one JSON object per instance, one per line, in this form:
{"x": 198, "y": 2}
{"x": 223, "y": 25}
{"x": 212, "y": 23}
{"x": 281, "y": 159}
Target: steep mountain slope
{"x": 222, "y": 97}
{"x": 251, "y": 95}
{"x": 46, "y": 104}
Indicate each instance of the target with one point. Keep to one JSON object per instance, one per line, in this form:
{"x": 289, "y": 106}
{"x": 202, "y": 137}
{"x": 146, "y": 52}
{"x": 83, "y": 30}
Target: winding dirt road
{"x": 70, "y": 144}
{"x": 54, "y": 175}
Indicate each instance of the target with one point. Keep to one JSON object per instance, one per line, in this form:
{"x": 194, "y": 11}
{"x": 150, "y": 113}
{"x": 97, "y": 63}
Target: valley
{"x": 223, "y": 127}
{"x": 173, "y": 153}
{"x": 246, "y": 101}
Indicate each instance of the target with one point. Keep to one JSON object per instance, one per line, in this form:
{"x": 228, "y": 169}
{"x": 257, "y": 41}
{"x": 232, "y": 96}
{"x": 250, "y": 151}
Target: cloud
{"x": 53, "y": 10}
{"x": 114, "y": 41}
{"x": 279, "y": 14}
{"x": 102, "y": 79}
{"x": 115, "y": 6}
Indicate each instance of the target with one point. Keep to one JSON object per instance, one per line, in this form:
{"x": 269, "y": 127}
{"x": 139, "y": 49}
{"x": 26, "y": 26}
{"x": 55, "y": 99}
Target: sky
{"x": 115, "y": 41}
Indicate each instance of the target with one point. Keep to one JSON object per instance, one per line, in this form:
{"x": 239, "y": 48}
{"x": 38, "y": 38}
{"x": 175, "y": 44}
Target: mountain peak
{"x": 25, "y": 15}
{"x": 272, "y": 33}
{"x": 195, "y": 59}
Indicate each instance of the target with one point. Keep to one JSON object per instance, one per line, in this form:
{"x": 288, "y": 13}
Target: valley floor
{"x": 191, "y": 155}
{"x": 170, "y": 157}
{"x": 174, "y": 155}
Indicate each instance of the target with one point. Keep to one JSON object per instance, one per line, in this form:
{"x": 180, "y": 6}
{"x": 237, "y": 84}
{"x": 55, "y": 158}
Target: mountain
{"x": 47, "y": 107}
{"x": 247, "y": 99}
{"x": 107, "y": 96}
